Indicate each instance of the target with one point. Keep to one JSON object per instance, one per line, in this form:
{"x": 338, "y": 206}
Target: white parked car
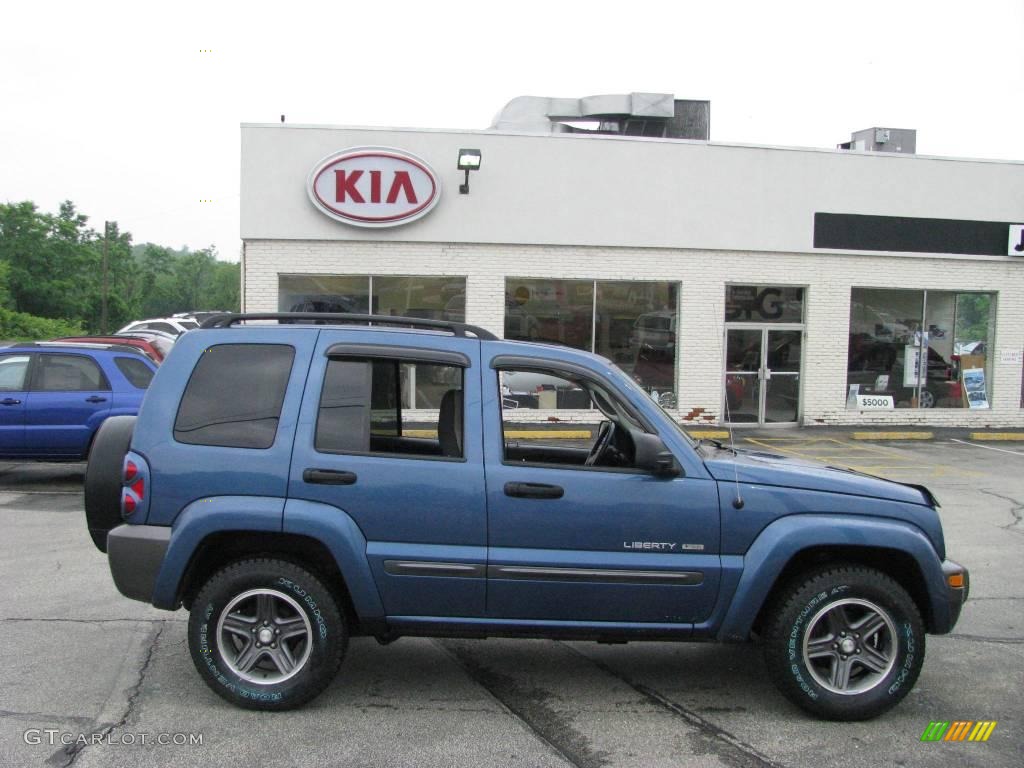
{"x": 172, "y": 325}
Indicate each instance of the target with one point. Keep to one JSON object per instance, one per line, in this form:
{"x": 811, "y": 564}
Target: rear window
{"x": 136, "y": 371}
{"x": 234, "y": 396}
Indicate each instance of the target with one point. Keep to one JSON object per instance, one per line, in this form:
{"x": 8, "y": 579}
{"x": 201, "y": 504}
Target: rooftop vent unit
{"x": 654, "y": 115}
{"x": 902, "y": 140}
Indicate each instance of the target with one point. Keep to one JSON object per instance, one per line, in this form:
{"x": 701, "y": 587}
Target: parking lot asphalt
{"x": 77, "y": 659}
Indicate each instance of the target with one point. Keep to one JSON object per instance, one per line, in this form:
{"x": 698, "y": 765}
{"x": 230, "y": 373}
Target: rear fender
{"x": 779, "y": 542}
{"x": 328, "y": 525}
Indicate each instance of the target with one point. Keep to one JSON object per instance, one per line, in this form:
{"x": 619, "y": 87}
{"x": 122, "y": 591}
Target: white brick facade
{"x": 702, "y": 275}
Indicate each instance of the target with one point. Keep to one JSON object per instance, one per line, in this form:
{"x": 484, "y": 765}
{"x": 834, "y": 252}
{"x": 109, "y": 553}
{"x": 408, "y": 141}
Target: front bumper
{"x": 955, "y": 596}
{"x": 136, "y": 553}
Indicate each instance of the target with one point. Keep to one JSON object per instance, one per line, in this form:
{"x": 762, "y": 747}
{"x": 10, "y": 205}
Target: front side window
{"x": 67, "y": 373}
{"x": 235, "y": 395}
{"x": 390, "y": 406}
{"x": 12, "y": 372}
{"x": 610, "y": 444}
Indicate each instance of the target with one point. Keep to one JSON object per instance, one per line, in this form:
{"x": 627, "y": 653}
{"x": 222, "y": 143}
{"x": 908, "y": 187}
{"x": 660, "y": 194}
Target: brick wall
{"x": 703, "y": 276}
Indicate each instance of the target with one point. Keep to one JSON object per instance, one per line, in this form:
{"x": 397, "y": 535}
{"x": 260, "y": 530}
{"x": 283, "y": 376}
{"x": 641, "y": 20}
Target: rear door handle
{"x": 95, "y": 399}
{"x": 10, "y": 401}
{"x": 534, "y": 490}
{"x": 328, "y": 476}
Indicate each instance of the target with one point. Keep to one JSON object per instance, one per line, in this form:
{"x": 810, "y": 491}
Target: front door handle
{"x": 534, "y": 490}
{"x": 10, "y": 401}
{"x": 95, "y": 399}
{"x": 328, "y": 476}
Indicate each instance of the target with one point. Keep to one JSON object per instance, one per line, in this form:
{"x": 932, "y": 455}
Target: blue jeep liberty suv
{"x": 295, "y": 479}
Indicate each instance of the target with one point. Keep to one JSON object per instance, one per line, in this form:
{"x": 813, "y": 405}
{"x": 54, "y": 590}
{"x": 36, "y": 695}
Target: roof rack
{"x": 343, "y": 318}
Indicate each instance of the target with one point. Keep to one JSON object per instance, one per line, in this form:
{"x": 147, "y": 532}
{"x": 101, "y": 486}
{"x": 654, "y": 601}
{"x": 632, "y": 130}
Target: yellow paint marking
{"x": 698, "y": 434}
{"x": 892, "y": 435}
{"x": 1008, "y": 436}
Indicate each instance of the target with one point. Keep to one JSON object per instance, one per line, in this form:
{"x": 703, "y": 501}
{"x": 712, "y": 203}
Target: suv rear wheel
{"x": 844, "y": 643}
{"x": 266, "y": 634}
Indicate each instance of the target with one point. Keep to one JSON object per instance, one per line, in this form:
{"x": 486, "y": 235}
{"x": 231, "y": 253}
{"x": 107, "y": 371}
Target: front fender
{"x": 779, "y": 542}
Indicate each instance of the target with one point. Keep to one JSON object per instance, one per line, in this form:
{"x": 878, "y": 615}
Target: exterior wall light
{"x": 469, "y": 160}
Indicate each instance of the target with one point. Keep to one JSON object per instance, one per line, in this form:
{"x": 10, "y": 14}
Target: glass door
{"x": 743, "y": 358}
{"x": 762, "y": 375}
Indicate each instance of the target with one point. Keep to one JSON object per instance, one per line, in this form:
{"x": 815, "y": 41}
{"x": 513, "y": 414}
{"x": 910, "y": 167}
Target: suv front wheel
{"x": 844, "y": 643}
{"x": 266, "y": 634}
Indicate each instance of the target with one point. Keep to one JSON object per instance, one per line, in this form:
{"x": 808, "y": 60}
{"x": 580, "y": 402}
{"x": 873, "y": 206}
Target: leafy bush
{"x": 19, "y": 326}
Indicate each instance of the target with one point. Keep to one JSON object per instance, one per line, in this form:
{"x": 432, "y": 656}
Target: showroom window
{"x": 919, "y": 349}
{"x": 631, "y": 322}
{"x": 428, "y": 297}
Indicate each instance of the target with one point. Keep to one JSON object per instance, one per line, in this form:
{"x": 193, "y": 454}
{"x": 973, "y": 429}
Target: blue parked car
{"x": 54, "y": 396}
{"x": 292, "y": 485}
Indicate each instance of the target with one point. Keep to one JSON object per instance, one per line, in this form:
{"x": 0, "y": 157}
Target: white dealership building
{"x": 742, "y": 283}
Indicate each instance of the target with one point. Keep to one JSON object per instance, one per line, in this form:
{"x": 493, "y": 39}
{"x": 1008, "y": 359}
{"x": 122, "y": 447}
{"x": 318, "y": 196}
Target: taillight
{"x": 133, "y": 485}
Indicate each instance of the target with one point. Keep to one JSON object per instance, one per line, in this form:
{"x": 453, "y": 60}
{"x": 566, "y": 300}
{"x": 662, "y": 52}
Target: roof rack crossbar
{"x": 342, "y": 318}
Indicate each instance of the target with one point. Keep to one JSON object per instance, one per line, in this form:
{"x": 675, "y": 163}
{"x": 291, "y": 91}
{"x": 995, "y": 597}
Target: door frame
{"x": 764, "y": 328}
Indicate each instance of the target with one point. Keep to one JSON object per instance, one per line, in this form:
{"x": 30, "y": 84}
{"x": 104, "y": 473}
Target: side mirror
{"x": 653, "y": 456}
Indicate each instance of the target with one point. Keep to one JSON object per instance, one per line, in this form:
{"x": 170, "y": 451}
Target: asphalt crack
{"x": 66, "y": 756}
{"x": 1016, "y": 510}
{"x": 530, "y": 707}
{"x": 94, "y": 621}
{"x": 983, "y": 639}
{"x": 729, "y": 748}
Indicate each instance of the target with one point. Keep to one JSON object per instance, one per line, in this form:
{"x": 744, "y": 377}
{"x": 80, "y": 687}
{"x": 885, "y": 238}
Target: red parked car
{"x": 151, "y": 347}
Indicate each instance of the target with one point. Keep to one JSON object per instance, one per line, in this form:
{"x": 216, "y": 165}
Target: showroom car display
{"x": 280, "y": 484}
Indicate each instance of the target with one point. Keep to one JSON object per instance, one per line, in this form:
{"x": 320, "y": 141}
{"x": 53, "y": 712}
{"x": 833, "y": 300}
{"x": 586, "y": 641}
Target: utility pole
{"x": 106, "y": 257}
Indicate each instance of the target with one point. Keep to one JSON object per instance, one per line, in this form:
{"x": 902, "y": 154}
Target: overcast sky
{"x": 117, "y": 106}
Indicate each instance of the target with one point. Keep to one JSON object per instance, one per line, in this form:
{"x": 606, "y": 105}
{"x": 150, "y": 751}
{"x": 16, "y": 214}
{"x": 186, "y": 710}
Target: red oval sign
{"x": 374, "y": 187}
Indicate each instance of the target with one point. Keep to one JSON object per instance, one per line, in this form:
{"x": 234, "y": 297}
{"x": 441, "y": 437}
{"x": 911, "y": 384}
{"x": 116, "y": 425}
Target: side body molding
{"x": 787, "y": 536}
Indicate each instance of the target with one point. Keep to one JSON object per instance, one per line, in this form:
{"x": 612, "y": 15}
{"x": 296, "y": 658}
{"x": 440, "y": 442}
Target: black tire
{"x": 257, "y": 680}
{"x": 813, "y": 620}
{"x": 103, "y": 477}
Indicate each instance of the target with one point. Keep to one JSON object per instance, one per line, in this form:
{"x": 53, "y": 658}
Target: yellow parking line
{"x": 554, "y": 434}
{"x": 520, "y": 434}
{"x": 698, "y": 434}
{"x": 980, "y": 436}
{"x": 892, "y": 435}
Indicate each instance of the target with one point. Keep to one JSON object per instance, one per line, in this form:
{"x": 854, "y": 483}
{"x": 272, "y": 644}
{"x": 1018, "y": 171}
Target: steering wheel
{"x": 604, "y": 439}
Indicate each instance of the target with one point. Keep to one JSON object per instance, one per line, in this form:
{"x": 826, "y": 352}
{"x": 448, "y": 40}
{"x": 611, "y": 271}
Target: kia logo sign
{"x": 374, "y": 187}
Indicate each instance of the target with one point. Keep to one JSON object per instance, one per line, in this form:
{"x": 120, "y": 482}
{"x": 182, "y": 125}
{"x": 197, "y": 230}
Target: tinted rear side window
{"x": 234, "y": 396}
{"x": 136, "y": 371}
